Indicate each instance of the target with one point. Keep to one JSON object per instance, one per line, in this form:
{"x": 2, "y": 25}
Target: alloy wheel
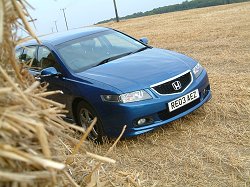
{"x": 86, "y": 118}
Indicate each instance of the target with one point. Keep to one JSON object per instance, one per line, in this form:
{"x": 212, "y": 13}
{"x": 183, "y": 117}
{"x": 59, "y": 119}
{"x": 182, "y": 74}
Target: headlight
{"x": 197, "y": 70}
{"x": 127, "y": 97}
{"x": 135, "y": 96}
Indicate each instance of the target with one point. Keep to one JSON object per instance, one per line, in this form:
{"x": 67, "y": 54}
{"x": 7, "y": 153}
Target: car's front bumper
{"x": 115, "y": 116}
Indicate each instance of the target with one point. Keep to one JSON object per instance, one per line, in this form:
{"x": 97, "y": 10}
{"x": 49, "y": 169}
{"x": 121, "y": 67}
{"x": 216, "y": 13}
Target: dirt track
{"x": 210, "y": 147}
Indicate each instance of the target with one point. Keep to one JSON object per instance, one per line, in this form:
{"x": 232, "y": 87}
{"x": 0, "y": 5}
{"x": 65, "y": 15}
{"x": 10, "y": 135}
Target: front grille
{"x": 165, "y": 114}
{"x": 167, "y": 87}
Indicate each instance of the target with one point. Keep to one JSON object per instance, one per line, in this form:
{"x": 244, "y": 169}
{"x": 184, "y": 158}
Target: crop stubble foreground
{"x": 38, "y": 148}
{"x": 210, "y": 147}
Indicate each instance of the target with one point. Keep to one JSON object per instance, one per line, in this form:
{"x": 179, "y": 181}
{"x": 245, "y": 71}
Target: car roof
{"x": 61, "y": 37}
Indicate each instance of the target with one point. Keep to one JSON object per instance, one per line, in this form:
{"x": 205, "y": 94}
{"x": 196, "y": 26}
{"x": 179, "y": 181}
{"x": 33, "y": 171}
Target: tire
{"x": 85, "y": 115}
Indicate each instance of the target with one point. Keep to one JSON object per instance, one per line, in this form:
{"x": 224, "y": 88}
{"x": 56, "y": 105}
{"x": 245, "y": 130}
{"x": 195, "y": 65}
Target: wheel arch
{"x": 99, "y": 123}
{"x": 75, "y": 102}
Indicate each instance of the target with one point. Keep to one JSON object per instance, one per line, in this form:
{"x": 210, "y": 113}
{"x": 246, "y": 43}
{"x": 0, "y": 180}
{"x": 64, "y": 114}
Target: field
{"x": 210, "y": 147}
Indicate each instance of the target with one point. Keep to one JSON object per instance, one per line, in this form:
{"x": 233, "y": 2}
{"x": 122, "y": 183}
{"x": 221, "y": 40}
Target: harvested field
{"x": 210, "y": 147}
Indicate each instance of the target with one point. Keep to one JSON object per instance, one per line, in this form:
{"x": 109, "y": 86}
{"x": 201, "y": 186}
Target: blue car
{"x": 107, "y": 74}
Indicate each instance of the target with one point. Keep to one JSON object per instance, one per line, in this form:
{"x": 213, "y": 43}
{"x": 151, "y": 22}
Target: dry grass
{"x": 210, "y": 147}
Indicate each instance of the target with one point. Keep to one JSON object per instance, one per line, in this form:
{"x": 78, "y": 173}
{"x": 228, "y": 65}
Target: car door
{"x": 46, "y": 59}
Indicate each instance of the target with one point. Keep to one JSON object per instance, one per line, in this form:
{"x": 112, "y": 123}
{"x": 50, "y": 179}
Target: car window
{"x": 89, "y": 51}
{"x": 121, "y": 41}
{"x": 82, "y": 53}
{"x": 46, "y": 58}
{"x": 29, "y": 57}
{"x": 18, "y": 53}
{"x": 97, "y": 42}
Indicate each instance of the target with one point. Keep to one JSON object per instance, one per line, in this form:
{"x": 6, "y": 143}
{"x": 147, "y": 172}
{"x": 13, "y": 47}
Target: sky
{"x": 81, "y": 13}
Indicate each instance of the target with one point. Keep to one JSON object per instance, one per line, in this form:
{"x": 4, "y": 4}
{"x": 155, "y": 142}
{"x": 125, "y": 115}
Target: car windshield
{"x": 90, "y": 51}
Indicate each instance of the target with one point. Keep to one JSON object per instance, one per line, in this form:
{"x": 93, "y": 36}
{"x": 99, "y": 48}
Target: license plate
{"x": 184, "y": 100}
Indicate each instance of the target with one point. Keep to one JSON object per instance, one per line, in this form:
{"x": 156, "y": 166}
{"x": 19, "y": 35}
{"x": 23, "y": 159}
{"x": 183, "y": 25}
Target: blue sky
{"x": 85, "y": 12}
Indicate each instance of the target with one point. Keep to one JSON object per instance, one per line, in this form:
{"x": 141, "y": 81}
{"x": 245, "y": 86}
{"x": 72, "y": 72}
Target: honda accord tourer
{"x": 107, "y": 74}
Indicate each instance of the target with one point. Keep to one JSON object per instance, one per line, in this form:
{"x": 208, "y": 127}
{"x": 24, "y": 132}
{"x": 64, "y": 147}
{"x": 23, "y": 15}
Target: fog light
{"x": 144, "y": 121}
{"x": 141, "y": 121}
{"x": 204, "y": 93}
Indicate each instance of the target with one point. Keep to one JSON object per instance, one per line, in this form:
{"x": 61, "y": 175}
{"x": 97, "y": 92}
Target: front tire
{"x": 85, "y": 116}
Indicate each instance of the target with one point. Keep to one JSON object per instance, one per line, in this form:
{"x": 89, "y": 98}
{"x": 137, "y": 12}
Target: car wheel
{"x": 85, "y": 115}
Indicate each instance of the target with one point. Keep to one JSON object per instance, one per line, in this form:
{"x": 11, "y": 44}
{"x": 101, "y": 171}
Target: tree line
{"x": 186, "y": 5}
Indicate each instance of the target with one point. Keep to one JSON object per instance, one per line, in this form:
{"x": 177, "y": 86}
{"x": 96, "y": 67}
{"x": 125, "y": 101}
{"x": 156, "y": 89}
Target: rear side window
{"x": 29, "y": 57}
{"x": 18, "y": 53}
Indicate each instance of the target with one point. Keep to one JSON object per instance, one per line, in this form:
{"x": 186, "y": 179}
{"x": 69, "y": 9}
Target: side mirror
{"x": 144, "y": 40}
{"x": 50, "y": 71}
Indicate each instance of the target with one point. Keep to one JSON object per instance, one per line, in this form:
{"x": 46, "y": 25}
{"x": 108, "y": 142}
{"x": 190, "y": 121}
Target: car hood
{"x": 140, "y": 70}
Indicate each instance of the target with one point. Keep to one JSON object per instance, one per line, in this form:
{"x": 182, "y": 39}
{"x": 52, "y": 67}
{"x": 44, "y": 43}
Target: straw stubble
{"x": 35, "y": 143}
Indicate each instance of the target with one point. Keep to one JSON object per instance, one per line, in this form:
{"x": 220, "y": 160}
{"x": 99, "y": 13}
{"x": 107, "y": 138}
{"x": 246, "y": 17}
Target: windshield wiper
{"x": 121, "y": 55}
{"x": 141, "y": 49}
{"x": 113, "y": 58}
